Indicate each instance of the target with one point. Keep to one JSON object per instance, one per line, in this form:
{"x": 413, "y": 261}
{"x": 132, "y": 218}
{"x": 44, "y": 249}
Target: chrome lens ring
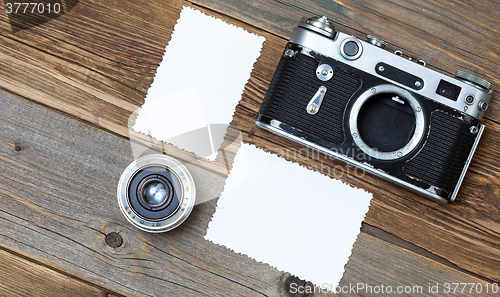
{"x": 419, "y": 122}
{"x": 187, "y": 196}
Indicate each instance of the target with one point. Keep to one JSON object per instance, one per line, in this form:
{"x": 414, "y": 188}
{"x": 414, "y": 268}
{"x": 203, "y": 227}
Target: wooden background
{"x": 71, "y": 85}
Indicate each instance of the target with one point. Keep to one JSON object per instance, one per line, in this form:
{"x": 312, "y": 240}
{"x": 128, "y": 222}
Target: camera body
{"x": 376, "y": 110}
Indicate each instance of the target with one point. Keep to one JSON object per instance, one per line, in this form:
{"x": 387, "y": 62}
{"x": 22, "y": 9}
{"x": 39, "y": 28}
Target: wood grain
{"x": 465, "y": 233}
{"x": 24, "y": 278}
{"x": 411, "y": 276}
{"x": 376, "y": 267}
{"x": 95, "y": 63}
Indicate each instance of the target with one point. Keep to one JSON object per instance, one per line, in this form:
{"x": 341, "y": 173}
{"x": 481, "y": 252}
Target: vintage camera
{"x": 156, "y": 193}
{"x": 375, "y": 109}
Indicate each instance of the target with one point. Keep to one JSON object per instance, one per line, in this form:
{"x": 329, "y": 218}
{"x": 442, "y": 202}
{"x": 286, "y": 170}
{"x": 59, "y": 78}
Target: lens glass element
{"x": 154, "y": 193}
{"x": 448, "y": 90}
{"x": 153, "y": 190}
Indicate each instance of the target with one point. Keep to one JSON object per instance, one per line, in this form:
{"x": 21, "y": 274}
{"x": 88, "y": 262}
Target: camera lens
{"x": 156, "y": 193}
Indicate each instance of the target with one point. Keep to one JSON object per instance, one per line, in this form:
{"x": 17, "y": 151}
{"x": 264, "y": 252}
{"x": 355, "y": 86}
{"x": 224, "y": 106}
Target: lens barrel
{"x": 156, "y": 193}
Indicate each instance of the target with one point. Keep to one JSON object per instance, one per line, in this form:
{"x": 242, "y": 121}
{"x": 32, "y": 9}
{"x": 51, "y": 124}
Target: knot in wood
{"x": 295, "y": 287}
{"x": 113, "y": 239}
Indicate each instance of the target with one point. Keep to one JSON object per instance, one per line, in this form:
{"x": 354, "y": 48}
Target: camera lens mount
{"x": 156, "y": 193}
{"x": 401, "y": 102}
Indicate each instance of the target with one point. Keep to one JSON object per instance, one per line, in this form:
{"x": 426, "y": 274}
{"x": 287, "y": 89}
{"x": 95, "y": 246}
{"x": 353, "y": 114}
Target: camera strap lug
{"x": 315, "y": 103}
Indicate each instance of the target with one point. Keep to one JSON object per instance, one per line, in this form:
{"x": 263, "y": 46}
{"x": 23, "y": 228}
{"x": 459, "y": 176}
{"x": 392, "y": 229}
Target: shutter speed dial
{"x": 469, "y": 78}
{"x": 319, "y": 24}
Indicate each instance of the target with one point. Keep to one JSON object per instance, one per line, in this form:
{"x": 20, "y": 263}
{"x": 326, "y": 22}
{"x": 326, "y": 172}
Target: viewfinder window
{"x": 448, "y": 90}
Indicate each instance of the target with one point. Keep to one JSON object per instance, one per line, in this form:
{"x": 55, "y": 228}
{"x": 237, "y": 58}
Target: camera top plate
{"x": 369, "y": 55}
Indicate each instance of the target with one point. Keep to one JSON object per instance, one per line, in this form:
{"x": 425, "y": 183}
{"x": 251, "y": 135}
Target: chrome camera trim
{"x": 342, "y": 48}
{"x": 464, "y": 97}
{"x": 467, "y": 162}
{"x": 274, "y": 127}
{"x": 366, "y": 62}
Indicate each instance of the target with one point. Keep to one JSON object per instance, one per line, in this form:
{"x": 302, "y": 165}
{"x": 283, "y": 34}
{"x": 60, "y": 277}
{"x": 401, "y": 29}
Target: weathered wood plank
{"x": 377, "y": 267}
{"x": 413, "y": 277}
{"x": 466, "y": 233}
{"x": 95, "y": 63}
{"x": 76, "y": 73}
{"x": 23, "y": 278}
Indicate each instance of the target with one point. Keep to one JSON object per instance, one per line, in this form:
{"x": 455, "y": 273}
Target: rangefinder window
{"x": 448, "y": 90}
